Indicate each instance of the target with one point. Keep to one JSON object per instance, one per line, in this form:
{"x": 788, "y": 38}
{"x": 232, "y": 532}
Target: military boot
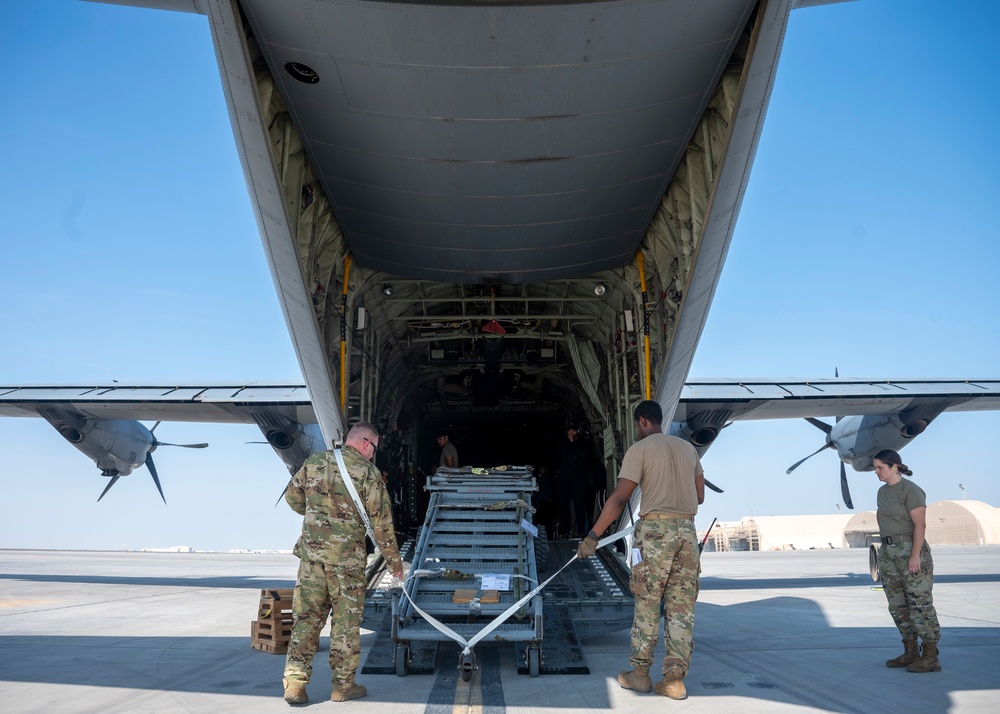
{"x": 295, "y": 691}
{"x": 672, "y": 684}
{"x": 911, "y": 653}
{"x": 344, "y": 694}
{"x": 928, "y": 661}
{"x": 637, "y": 680}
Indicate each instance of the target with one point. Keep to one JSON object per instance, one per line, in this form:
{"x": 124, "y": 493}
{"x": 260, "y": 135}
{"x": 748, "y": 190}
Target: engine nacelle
{"x": 294, "y": 442}
{"x": 117, "y": 446}
{"x": 859, "y": 438}
{"x": 700, "y": 436}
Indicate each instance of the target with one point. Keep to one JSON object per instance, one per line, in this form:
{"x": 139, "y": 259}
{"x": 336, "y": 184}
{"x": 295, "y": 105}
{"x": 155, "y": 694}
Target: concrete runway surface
{"x": 800, "y": 631}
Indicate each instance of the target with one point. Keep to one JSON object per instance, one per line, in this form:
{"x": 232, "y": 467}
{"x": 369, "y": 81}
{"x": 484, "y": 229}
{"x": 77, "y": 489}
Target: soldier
{"x": 449, "y": 454}
{"x": 665, "y": 560}
{"x": 331, "y": 552}
{"x": 906, "y": 564}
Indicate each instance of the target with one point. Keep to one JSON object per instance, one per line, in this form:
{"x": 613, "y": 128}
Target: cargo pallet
{"x": 478, "y": 524}
{"x": 272, "y": 630}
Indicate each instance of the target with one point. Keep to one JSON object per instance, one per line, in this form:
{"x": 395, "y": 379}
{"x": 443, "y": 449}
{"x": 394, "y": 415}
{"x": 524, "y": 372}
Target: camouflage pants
{"x": 321, "y": 590}
{"x": 669, "y": 572}
{"x": 911, "y": 602}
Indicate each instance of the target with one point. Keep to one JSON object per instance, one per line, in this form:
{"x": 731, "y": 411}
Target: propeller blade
{"x": 821, "y": 425}
{"x": 183, "y": 446}
{"x": 799, "y": 463}
{"x": 156, "y": 479}
{"x": 112, "y": 482}
{"x": 844, "y": 490}
{"x": 154, "y": 426}
{"x": 713, "y": 486}
{"x": 283, "y": 493}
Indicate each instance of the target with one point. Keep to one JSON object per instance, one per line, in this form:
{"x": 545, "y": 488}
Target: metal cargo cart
{"x": 474, "y": 559}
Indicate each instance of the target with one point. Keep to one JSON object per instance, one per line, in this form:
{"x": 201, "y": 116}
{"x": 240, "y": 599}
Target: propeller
{"x": 112, "y": 482}
{"x": 152, "y": 472}
{"x": 845, "y": 490}
{"x": 801, "y": 461}
{"x": 283, "y": 493}
{"x": 149, "y": 464}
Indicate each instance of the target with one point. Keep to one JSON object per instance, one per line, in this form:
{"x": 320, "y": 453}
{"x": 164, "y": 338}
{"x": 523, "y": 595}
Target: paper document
{"x": 492, "y": 581}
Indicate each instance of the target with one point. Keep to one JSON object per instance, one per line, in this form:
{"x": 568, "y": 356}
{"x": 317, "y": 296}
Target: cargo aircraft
{"x": 496, "y": 218}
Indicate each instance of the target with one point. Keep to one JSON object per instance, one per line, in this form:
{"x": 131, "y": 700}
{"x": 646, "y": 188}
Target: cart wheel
{"x": 402, "y": 660}
{"x": 534, "y": 661}
{"x": 466, "y": 664}
{"x": 873, "y": 562}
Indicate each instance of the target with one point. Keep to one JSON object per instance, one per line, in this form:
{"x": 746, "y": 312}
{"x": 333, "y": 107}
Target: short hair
{"x": 443, "y": 432}
{"x": 648, "y": 410}
{"x": 888, "y": 456}
{"x": 363, "y": 430}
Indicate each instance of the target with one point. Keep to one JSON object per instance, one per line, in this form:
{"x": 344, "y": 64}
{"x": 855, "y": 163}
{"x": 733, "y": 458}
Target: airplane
{"x": 103, "y": 421}
{"x": 458, "y": 236}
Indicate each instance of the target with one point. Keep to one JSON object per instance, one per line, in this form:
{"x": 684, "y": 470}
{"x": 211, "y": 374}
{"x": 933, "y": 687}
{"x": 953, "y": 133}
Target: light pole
{"x": 962, "y": 486}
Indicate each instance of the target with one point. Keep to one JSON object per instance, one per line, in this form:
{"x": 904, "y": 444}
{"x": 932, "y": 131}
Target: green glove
{"x": 587, "y": 547}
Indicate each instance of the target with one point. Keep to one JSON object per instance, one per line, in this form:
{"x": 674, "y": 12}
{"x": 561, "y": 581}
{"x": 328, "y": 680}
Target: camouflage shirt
{"x": 332, "y": 530}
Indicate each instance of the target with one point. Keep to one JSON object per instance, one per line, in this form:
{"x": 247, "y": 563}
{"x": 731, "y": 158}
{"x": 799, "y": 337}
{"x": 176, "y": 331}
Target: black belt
{"x": 889, "y": 540}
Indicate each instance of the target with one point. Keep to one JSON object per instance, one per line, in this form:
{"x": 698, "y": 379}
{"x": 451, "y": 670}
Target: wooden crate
{"x": 272, "y": 630}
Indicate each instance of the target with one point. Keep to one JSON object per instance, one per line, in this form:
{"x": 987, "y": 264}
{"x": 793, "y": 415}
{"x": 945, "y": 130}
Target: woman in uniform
{"x": 906, "y": 564}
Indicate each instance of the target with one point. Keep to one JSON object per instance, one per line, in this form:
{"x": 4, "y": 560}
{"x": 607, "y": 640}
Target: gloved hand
{"x": 587, "y": 547}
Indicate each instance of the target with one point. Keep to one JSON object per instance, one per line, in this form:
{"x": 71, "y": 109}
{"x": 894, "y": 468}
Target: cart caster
{"x": 402, "y": 660}
{"x": 534, "y": 657}
{"x": 467, "y": 665}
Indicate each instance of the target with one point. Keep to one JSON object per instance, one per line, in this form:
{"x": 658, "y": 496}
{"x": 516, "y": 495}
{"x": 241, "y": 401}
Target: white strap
{"x": 503, "y": 617}
{"x": 349, "y": 482}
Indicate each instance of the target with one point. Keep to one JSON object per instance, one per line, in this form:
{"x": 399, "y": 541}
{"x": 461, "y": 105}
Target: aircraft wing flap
{"x": 214, "y": 404}
{"x": 757, "y": 399}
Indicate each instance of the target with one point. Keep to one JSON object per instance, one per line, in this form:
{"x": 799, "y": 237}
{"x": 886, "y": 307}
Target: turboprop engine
{"x": 858, "y": 438}
{"x": 117, "y": 446}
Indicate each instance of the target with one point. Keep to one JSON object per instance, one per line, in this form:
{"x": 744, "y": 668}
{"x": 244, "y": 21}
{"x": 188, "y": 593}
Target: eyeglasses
{"x": 374, "y": 444}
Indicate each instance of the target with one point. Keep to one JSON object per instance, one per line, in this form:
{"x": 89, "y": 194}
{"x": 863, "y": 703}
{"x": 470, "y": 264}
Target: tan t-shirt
{"x": 665, "y": 467}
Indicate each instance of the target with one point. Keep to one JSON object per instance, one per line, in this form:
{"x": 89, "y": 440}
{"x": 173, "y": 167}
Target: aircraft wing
{"x": 216, "y": 403}
{"x": 719, "y": 401}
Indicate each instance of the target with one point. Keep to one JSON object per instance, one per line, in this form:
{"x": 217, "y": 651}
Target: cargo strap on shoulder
{"x": 351, "y": 489}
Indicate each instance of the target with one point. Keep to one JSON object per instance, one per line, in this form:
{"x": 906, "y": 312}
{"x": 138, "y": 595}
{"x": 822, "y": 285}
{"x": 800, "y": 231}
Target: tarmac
{"x": 790, "y": 631}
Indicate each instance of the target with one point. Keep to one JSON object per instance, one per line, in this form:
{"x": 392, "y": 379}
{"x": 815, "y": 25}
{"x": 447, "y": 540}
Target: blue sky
{"x": 867, "y": 243}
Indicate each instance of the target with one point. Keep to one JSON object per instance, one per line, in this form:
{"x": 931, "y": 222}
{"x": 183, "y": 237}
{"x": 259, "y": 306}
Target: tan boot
{"x": 672, "y": 684}
{"x": 295, "y": 691}
{"x": 928, "y": 661}
{"x": 355, "y": 691}
{"x": 637, "y": 680}
{"x": 911, "y": 653}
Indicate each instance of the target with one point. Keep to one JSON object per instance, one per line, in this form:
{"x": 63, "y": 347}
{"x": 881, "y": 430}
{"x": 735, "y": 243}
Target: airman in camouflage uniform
{"x": 669, "y": 570}
{"x": 665, "y": 563}
{"x": 331, "y": 552}
{"x": 906, "y": 564}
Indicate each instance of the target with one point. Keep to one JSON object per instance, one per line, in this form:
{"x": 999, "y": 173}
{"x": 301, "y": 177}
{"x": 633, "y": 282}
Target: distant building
{"x": 779, "y": 533}
{"x": 963, "y": 523}
{"x": 948, "y": 523}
